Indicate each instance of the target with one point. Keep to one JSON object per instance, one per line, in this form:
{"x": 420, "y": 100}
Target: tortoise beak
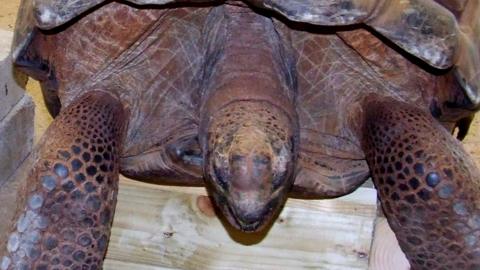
{"x": 252, "y": 218}
{"x": 245, "y": 211}
{"x": 251, "y": 193}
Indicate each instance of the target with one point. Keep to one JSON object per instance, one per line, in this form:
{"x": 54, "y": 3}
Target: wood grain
{"x": 472, "y": 141}
{"x": 386, "y": 253}
{"x": 164, "y": 227}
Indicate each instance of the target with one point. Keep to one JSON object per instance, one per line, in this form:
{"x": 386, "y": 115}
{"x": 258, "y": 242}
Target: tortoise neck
{"x": 246, "y": 60}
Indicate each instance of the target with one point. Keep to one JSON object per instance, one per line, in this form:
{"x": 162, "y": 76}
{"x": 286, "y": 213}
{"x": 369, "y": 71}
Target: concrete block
{"x": 12, "y": 82}
{"x": 6, "y": 38}
{"x": 16, "y": 137}
{"x": 16, "y": 113}
{"x": 16, "y": 134}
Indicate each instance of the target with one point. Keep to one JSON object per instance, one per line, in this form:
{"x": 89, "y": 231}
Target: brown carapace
{"x": 258, "y": 101}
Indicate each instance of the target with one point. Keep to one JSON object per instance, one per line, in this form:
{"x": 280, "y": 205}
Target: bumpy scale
{"x": 71, "y": 191}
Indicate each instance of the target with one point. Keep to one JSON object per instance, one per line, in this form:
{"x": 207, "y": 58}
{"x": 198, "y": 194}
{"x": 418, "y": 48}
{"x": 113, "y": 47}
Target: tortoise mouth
{"x": 248, "y": 223}
{"x": 252, "y": 219}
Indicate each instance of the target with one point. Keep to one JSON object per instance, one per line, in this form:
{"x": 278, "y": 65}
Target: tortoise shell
{"x": 260, "y": 100}
{"x": 49, "y": 44}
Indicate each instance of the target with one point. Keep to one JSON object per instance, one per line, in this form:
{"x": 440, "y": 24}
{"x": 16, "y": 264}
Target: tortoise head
{"x": 250, "y": 162}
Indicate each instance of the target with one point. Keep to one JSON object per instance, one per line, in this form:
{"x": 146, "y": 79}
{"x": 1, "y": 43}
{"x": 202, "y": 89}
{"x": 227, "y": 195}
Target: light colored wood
{"x": 472, "y": 141}
{"x": 163, "y": 227}
{"x": 385, "y": 253}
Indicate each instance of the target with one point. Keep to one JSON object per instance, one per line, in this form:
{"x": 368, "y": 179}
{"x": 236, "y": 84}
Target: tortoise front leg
{"x": 65, "y": 218}
{"x": 428, "y": 186}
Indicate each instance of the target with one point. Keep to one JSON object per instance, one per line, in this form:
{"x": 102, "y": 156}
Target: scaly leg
{"x": 65, "y": 218}
{"x": 428, "y": 185}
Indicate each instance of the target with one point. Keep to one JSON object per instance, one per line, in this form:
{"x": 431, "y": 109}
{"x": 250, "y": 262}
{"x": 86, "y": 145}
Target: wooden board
{"x": 385, "y": 253}
{"x": 157, "y": 226}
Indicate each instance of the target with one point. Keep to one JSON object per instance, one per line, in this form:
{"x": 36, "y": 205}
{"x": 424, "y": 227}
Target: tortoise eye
{"x": 237, "y": 158}
{"x": 261, "y": 160}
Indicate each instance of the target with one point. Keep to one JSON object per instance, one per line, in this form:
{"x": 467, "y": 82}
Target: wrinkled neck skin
{"x": 249, "y": 128}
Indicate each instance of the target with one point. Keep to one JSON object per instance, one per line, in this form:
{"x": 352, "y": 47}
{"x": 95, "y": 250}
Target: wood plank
{"x": 386, "y": 253}
{"x": 472, "y": 141}
{"x": 157, "y": 227}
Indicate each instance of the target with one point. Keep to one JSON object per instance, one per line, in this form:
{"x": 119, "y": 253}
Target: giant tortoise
{"x": 257, "y": 100}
